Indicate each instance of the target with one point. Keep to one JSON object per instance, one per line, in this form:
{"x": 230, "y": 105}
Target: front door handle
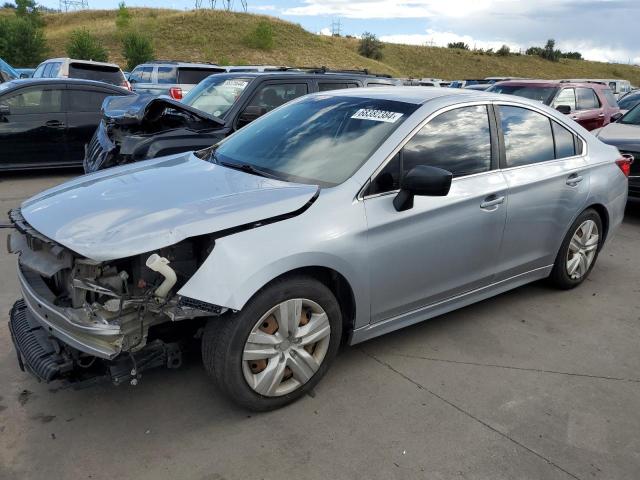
{"x": 574, "y": 179}
{"x": 492, "y": 201}
{"x": 54, "y": 124}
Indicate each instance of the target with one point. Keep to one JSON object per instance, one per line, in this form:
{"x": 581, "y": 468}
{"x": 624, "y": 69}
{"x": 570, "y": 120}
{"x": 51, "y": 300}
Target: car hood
{"x": 623, "y": 136}
{"x": 136, "y": 109}
{"x": 145, "y": 206}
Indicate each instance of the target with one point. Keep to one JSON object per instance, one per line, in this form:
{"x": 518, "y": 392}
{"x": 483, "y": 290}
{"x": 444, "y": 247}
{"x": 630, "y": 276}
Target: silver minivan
{"x": 337, "y": 217}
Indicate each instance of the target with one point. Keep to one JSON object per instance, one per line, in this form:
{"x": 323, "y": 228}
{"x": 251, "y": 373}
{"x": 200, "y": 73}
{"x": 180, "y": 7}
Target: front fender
{"x": 241, "y": 264}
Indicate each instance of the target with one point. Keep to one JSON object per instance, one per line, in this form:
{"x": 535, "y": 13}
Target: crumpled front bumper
{"x": 91, "y": 337}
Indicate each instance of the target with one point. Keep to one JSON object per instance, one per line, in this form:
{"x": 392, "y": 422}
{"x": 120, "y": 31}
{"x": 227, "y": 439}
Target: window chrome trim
{"x": 360, "y": 196}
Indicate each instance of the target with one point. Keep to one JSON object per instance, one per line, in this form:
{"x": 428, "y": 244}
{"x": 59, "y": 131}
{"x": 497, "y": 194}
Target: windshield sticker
{"x": 235, "y": 83}
{"x": 376, "y": 115}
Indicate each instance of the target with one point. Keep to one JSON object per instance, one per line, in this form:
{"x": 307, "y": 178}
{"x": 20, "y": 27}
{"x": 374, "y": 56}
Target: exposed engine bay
{"x": 119, "y": 315}
{"x": 142, "y": 127}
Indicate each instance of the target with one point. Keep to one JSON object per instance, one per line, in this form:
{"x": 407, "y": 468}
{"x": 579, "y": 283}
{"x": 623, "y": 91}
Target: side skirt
{"x": 424, "y": 313}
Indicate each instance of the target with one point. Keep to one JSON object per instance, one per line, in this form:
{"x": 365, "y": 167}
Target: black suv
{"x": 144, "y": 127}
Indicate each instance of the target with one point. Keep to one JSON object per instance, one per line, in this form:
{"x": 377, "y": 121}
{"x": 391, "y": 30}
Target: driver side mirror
{"x": 4, "y": 110}
{"x": 425, "y": 181}
{"x": 251, "y": 113}
{"x": 564, "y": 109}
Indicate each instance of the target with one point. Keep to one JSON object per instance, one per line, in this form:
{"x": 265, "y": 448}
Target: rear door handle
{"x": 54, "y": 124}
{"x": 574, "y": 179}
{"x": 492, "y": 201}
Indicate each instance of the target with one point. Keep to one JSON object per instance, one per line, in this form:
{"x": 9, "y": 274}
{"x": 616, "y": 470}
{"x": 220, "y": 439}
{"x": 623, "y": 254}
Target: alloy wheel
{"x": 582, "y": 249}
{"x": 286, "y": 347}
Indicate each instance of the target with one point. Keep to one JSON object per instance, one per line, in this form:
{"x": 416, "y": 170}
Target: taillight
{"x": 175, "y": 93}
{"x": 624, "y": 163}
{"x": 127, "y": 85}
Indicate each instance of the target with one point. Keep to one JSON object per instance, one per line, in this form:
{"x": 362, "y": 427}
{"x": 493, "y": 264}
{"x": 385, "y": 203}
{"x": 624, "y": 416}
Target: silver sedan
{"x": 338, "y": 216}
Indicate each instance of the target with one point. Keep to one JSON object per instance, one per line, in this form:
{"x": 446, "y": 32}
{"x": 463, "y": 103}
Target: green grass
{"x": 219, "y": 36}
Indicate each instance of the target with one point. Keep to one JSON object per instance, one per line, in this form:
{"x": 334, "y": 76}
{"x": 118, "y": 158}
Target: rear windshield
{"x": 192, "y": 76}
{"x": 540, "y": 94}
{"x": 100, "y": 73}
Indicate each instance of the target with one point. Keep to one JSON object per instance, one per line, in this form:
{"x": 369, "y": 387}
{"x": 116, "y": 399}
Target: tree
{"x": 573, "y": 55}
{"x": 136, "y": 49}
{"x": 370, "y": 46}
{"x": 22, "y": 43}
{"x": 549, "y": 51}
{"x": 504, "y": 51}
{"x": 82, "y": 45}
{"x": 534, "y": 51}
{"x": 28, "y": 10}
{"x": 8, "y": 5}
{"x": 460, "y": 45}
{"x": 123, "y": 17}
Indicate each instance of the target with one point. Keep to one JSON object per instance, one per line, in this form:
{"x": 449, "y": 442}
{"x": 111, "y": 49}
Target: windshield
{"x": 632, "y": 117}
{"x": 215, "y": 95}
{"x": 629, "y": 101}
{"x": 320, "y": 140}
{"x": 540, "y": 94}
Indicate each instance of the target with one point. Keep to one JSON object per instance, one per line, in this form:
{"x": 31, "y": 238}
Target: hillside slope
{"x": 218, "y": 36}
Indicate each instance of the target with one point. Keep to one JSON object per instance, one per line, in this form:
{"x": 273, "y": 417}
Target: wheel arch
{"x": 334, "y": 281}
{"x": 601, "y": 210}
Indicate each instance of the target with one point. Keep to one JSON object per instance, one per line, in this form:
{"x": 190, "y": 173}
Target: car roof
{"x": 19, "y": 82}
{"x": 180, "y": 64}
{"x": 307, "y": 75}
{"x": 551, "y": 83}
{"x": 415, "y": 95}
{"x": 75, "y": 60}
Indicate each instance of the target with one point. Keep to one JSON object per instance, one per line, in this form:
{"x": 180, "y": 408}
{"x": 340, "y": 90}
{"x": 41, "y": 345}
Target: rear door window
{"x": 100, "y": 73}
{"x": 610, "y": 97}
{"x": 167, "y": 75}
{"x": 86, "y": 100}
{"x": 587, "y": 99}
{"x": 55, "y": 69}
{"x": 326, "y": 86}
{"x": 527, "y": 136}
{"x": 193, "y": 76}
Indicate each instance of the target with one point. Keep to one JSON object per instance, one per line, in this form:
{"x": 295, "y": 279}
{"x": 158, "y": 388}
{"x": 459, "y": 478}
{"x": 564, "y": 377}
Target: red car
{"x": 591, "y": 104}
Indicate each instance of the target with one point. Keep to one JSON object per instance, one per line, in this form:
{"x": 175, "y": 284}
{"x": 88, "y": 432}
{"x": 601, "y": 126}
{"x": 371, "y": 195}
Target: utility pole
{"x": 66, "y": 5}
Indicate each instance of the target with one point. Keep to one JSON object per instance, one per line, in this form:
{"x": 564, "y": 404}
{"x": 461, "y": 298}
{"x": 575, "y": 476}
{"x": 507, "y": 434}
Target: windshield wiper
{"x": 245, "y": 167}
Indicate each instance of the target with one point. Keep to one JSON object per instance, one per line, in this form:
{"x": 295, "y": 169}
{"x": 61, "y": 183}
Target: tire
{"x": 225, "y": 344}
{"x": 561, "y": 277}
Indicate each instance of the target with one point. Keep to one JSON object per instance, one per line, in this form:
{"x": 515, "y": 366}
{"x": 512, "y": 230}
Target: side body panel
{"x": 331, "y": 234}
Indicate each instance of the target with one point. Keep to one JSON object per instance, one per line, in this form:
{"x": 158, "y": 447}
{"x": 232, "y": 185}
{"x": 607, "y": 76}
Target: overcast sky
{"x": 605, "y": 30}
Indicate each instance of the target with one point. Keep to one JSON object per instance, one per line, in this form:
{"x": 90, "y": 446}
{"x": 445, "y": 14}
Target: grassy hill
{"x": 219, "y": 36}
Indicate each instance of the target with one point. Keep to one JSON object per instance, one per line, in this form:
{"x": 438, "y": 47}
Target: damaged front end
{"x": 83, "y": 321}
{"x": 135, "y": 128}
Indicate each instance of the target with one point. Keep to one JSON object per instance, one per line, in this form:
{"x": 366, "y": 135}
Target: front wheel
{"x": 579, "y": 251}
{"x": 277, "y": 347}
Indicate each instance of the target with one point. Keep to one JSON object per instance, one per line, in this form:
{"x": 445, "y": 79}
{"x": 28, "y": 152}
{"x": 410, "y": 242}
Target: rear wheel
{"x": 277, "y": 347}
{"x": 579, "y": 251}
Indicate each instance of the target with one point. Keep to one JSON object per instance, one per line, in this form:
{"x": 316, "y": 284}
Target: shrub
{"x": 261, "y": 37}
{"x": 136, "y": 49}
{"x": 504, "y": 51}
{"x": 459, "y": 45}
{"x": 370, "y": 46}
{"x": 549, "y": 52}
{"x": 22, "y": 43}
{"x": 123, "y": 16}
{"x": 84, "y": 46}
